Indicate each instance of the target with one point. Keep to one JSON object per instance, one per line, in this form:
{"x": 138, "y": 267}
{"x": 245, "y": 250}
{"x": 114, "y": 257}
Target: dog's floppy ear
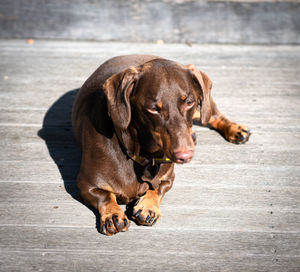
{"x": 203, "y": 92}
{"x": 117, "y": 89}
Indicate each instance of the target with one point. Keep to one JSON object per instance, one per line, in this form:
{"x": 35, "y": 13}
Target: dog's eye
{"x": 189, "y": 104}
{"x": 153, "y": 110}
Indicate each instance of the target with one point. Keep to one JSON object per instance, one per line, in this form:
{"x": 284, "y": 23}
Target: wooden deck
{"x": 233, "y": 208}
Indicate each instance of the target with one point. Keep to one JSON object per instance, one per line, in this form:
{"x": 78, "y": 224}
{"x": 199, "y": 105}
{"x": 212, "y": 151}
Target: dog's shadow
{"x": 57, "y": 132}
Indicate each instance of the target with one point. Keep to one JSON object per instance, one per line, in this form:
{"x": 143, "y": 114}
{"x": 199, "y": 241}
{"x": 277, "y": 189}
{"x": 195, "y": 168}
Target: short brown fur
{"x": 140, "y": 106}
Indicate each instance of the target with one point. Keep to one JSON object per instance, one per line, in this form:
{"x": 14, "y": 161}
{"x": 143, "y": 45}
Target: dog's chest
{"x": 135, "y": 187}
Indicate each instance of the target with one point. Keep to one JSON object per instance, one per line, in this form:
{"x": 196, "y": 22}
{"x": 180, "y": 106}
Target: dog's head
{"x": 153, "y": 105}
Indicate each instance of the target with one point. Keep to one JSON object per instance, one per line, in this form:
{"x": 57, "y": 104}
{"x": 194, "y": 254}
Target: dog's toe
{"x": 238, "y": 134}
{"x": 146, "y": 216}
{"x": 114, "y": 223}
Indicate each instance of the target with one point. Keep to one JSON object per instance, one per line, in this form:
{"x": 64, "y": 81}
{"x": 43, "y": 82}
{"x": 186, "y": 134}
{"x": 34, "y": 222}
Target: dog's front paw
{"x": 237, "y": 134}
{"x": 146, "y": 212}
{"x": 113, "y": 222}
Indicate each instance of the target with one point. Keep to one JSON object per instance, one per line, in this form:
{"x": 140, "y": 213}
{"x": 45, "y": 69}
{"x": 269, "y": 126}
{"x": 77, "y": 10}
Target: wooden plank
{"x": 135, "y": 261}
{"x": 238, "y": 75}
{"x": 31, "y": 134}
{"x": 233, "y": 83}
{"x": 237, "y": 174}
{"x": 16, "y": 96}
{"x": 60, "y": 116}
{"x": 64, "y": 152}
{"x": 200, "y": 243}
{"x": 37, "y": 172}
{"x": 204, "y": 174}
{"x": 264, "y": 136}
{"x": 90, "y": 55}
{"x": 234, "y": 67}
{"x": 268, "y": 209}
{"x": 204, "y": 153}
{"x": 69, "y": 153}
{"x": 218, "y": 56}
{"x": 196, "y": 196}
{"x": 205, "y": 150}
{"x": 173, "y": 218}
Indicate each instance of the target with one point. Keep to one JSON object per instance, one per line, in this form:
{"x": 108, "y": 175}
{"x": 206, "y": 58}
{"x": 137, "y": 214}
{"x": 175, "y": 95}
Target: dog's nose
{"x": 183, "y": 156}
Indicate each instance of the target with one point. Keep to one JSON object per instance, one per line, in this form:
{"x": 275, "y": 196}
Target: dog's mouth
{"x": 160, "y": 154}
{"x": 163, "y": 153}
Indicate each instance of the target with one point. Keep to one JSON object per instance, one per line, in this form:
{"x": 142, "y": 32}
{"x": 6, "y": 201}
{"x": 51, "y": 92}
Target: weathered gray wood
{"x": 270, "y": 135}
{"x": 198, "y": 242}
{"x": 246, "y": 101}
{"x": 233, "y": 208}
{"x": 174, "y": 218}
{"x": 34, "y": 118}
{"x": 207, "y": 174}
{"x": 66, "y": 155}
{"x": 191, "y": 249}
{"x": 62, "y": 143}
{"x": 196, "y": 196}
{"x": 233, "y": 82}
{"x": 135, "y": 261}
{"x": 89, "y": 54}
{"x": 83, "y": 58}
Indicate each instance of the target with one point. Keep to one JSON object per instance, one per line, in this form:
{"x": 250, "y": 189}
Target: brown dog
{"x": 133, "y": 120}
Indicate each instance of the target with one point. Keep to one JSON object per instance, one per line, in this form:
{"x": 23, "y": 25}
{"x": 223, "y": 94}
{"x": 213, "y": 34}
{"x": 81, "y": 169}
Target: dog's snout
{"x": 183, "y": 156}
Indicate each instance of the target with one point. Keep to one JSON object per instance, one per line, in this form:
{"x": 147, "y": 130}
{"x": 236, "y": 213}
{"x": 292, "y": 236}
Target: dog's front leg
{"x": 112, "y": 217}
{"x": 147, "y": 211}
{"x": 231, "y": 131}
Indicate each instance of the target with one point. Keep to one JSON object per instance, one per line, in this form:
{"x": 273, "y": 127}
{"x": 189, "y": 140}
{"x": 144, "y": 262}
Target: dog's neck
{"x": 133, "y": 152}
{"x": 149, "y": 167}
